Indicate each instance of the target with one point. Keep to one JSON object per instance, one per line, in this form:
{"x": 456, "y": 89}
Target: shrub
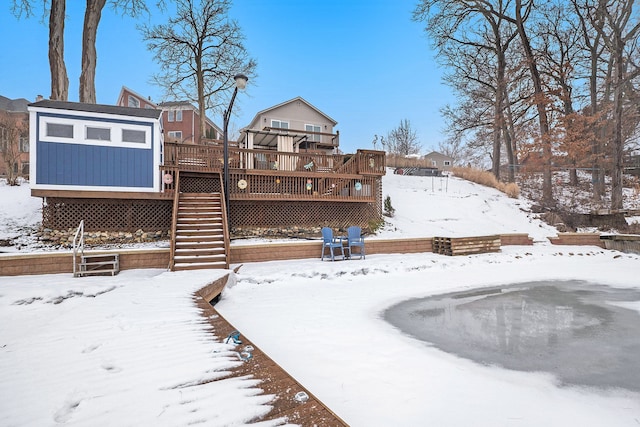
{"x": 488, "y": 179}
{"x": 388, "y": 209}
{"x": 511, "y": 189}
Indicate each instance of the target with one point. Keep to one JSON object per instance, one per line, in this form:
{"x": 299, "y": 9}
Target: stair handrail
{"x": 174, "y": 220}
{"x": 78, "y": 245}
{"x": 225, "y": 226}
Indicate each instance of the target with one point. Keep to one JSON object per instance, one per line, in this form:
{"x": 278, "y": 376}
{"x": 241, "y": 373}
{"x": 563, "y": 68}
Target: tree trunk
{"x": 540, "y": 101}
{"x": 92, "y": 17}
{"x": 597, "y": 172}
{"x": 510, "y": 138}
{"x": 59, "y": 79}
{"x": 498, "y": 113}
{"x": 202, "y": 101}
{"x": 618, "y": 138}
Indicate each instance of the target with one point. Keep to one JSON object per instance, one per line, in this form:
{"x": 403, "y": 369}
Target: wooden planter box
{"x": 466, "y": 245}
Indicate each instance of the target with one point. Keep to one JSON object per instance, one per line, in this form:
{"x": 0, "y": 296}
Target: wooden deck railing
{"x": 268, "y": 174}
{"x": 211, "y": 158}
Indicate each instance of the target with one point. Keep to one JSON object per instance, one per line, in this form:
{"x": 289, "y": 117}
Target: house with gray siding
{"x": 291, "y": 126}
{"x": 438, "y": 160}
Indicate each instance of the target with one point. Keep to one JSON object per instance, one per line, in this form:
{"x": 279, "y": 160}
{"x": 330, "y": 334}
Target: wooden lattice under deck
{"x": 247, "y": 210}
{"x": 107, "y": 214}
{"x": 274, "y": 214}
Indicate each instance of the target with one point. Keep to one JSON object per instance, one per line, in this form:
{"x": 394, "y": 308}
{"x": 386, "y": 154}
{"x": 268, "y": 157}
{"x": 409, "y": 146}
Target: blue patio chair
{"x": 328, "y": 241}
{"x": 355, "y": 239}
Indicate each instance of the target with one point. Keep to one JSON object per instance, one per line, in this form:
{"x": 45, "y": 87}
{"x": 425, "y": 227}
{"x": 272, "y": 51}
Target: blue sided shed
{"x": 91, "y": 147}
{"x": 100, "y": 164}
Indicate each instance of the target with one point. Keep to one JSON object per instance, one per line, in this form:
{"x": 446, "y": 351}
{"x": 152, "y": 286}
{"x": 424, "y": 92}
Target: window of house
{"x": 174, "y": 115}
{"x": 25, "y": 169}
{"x": 130, "y": 135}
{"x": 98, "y": 134}
{"x": 279, "y": 124}
{"x": 4, "y": 138}
{"x": 175, "y": 134}
{"x": 133, "y": 102}
{"x": 59, "y": 130}
{"x": 447, "y": 162}
{"x": 313, "y": 128}
{"x": 24, "y": 144}
{"x": 434, "y": 163}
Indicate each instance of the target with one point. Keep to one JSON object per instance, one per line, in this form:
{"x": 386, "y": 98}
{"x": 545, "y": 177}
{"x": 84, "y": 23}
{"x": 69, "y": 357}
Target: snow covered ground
{"x": 133, "y": 350}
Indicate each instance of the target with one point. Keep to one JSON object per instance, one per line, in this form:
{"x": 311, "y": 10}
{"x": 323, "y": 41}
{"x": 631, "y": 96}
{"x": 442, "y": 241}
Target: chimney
{"x": 39, "y": 98}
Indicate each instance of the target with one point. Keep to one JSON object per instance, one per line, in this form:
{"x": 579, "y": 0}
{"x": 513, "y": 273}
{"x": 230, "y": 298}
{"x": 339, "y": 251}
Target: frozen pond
{"x": 585, "y": 334}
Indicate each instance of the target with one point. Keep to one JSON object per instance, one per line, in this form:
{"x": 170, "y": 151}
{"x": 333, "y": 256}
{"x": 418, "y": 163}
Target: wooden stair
{"x": 199, "y": 236}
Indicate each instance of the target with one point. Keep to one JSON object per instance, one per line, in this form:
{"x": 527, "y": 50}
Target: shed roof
{"x": 98, "y": 108}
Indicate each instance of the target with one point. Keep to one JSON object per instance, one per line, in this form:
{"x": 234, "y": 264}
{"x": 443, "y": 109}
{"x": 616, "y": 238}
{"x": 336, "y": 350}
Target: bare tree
{"x": 473, "y": 41}
{"x": 558, "y": 51}
{"x": 199, "y": 50}
{"x": 403, "y": 140}
{"x": 59, "y": 79}
{"x": 619, "y": 25}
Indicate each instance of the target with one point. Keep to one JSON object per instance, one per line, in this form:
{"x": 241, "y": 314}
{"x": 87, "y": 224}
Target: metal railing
{"x": 78, "y": 246}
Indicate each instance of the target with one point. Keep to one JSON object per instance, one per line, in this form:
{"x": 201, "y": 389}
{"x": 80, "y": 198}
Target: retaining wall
{"x": 16, "y": 264}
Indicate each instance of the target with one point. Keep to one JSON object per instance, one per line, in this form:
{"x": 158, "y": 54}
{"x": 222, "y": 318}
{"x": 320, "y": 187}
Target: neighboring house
{"x": 438, "y": 160}
{"x": 13, "y": 113}
{"x": 181, "y": 120}
{"x": 291, "y": 126}
{"x": 92, "y": 147}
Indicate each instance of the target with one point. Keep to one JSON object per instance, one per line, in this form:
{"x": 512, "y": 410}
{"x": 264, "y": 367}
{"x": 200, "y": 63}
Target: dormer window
{"x": 133, "y": 101}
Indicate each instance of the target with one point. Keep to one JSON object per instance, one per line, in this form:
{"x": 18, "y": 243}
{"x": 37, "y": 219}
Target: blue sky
{"x": 362, "y": 62}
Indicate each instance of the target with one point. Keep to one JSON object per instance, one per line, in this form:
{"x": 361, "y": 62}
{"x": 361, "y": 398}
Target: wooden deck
{"x": 275, "y": 175}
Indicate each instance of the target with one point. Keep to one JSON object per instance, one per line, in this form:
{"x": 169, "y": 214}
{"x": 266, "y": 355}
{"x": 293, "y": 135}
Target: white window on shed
{"x": 59, "y": 130}
{"x": 279, "y": 124}
{"x": 98, "y": 134}
{"x": 130, "y": 135}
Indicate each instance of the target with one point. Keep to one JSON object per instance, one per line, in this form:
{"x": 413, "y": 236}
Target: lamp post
{"x": 241, "y": 83}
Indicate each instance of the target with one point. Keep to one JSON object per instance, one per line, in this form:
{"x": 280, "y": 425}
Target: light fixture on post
{"x": 241, "y": 83}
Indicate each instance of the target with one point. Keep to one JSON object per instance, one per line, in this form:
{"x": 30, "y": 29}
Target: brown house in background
{"x": 14, "y": 117}
{"x": 180, "y": 119}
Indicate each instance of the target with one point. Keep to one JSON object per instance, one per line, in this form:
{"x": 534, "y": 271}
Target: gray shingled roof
{"x": 98, "y": 108}
{"x": 13, "y": 105}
